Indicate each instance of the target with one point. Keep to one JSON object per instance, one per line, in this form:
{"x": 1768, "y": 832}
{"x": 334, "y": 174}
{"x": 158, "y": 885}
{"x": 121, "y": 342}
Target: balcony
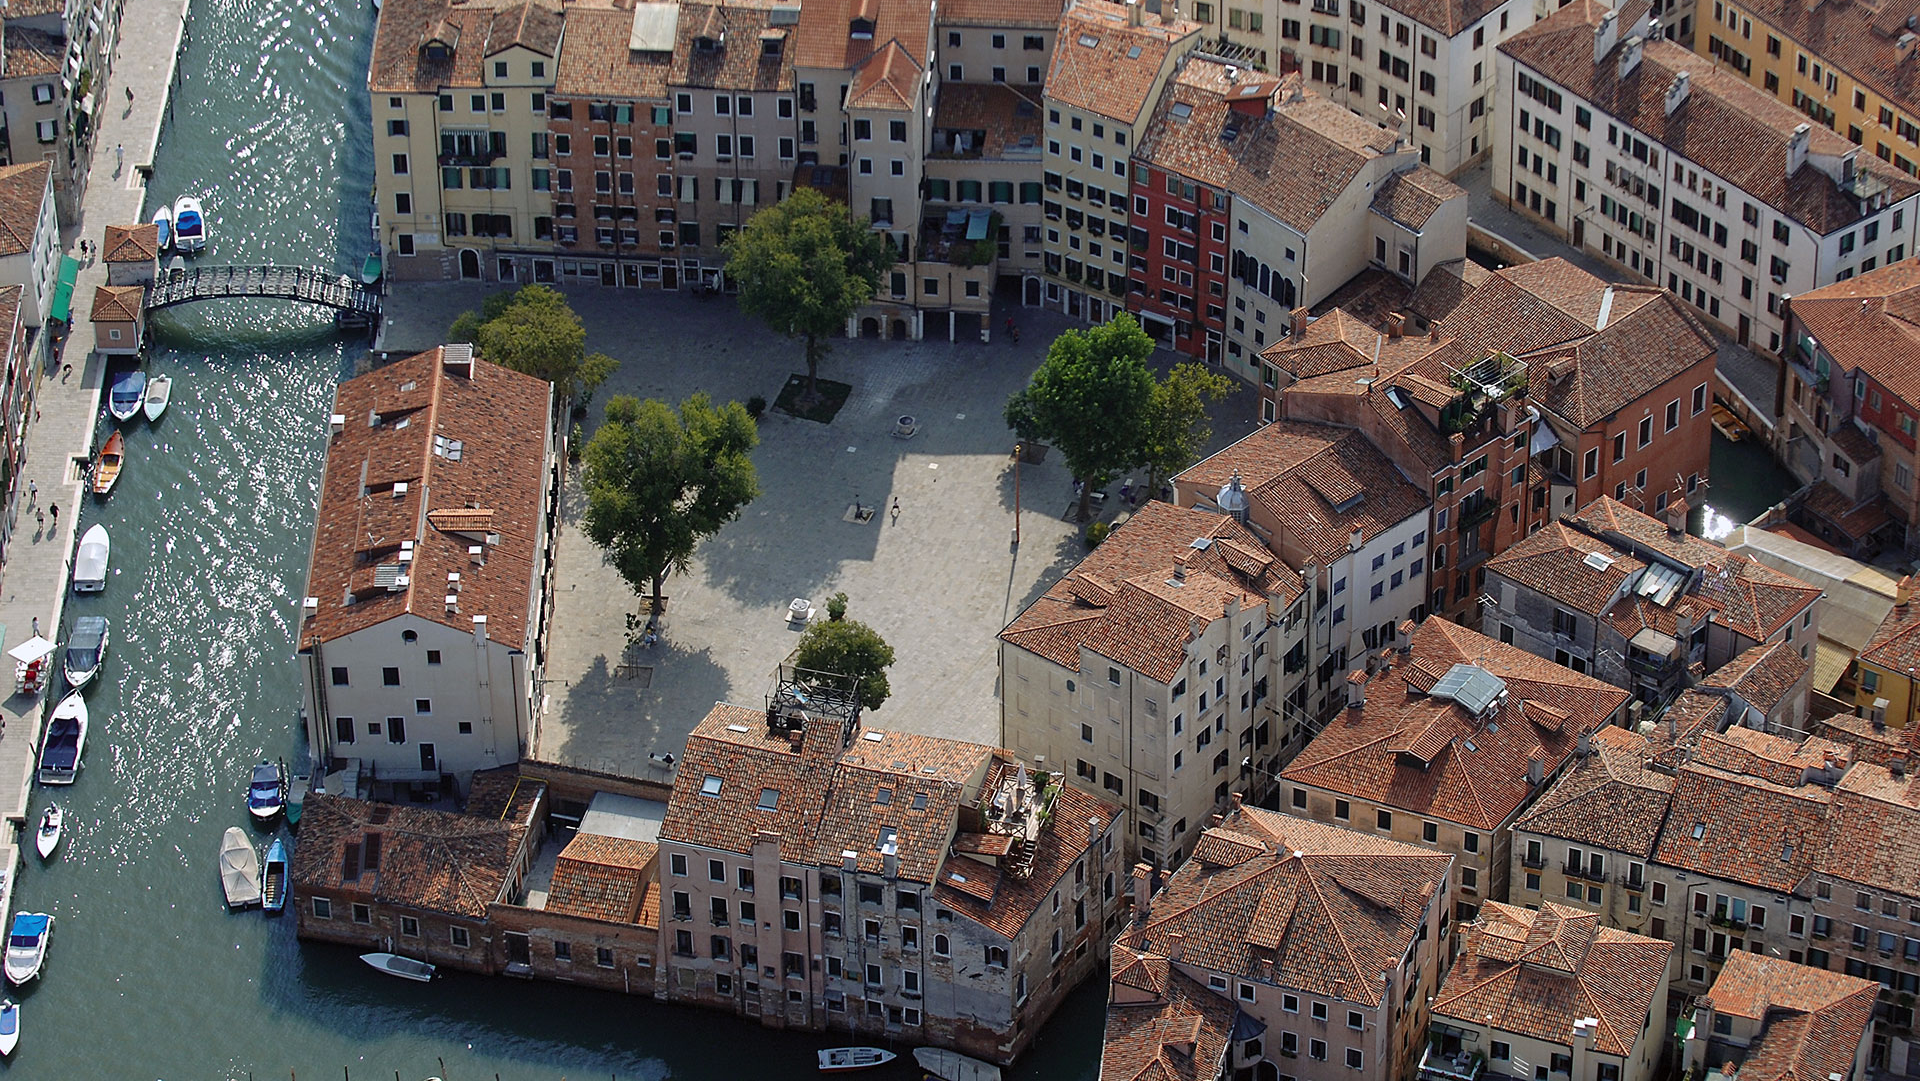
{"x": 1462, "y": 1065}
{"x": 965, "y": 237}
{"x": 1533, "y": 862}
{"x": 1475, "y": 512}
{"x": 1583, "y": 872}
{"x": 1658, "y": 669}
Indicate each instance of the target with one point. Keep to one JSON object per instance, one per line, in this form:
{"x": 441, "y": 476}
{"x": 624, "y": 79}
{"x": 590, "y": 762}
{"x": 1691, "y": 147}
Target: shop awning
{"x": 63, "y": 291}
{"x": 977, "y": 222}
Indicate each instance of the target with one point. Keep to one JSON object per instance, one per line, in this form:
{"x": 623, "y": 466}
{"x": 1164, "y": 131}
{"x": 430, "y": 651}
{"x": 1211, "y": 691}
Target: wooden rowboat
{"x": 106, "y": 468}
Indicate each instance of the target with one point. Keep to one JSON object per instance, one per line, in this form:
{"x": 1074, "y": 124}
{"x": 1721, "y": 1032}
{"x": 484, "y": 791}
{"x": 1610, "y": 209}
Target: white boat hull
{"x": 9, "y": 1027}
{"x": 849, "y": 1059}
{"x": 72, "y": 708}
{"x": 159, "y": 392}
{"x": 239, "y": 869}
{"x": 90, "y": 563}
{"x": 404, "y": 967}
{"x": 47, "y": 837}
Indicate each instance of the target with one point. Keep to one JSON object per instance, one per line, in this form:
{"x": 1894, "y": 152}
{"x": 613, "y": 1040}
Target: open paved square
{"x": 938, "y": 581}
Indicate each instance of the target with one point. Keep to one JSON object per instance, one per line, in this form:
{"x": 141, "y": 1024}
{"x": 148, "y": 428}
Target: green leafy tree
{"x": 1177, "y": 427}
{"x": 658, "y": 482}
{"x": 850, "y": 648}
{"x": 534, "y": 330}
{"x": 1091, "y": 399}
{"x": 803, "y": 267}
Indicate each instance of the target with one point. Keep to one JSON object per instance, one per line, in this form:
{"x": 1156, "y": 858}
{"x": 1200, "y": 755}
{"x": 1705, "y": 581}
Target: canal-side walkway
{"x": 33, "y": 584}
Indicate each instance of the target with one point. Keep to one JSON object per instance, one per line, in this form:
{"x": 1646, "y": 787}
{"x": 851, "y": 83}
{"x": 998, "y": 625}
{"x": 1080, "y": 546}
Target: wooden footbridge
{"x": 342, "y": 292}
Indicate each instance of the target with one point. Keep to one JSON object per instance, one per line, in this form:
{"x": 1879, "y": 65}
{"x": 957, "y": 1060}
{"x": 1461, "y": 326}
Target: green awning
{"x": 63, "y": 292}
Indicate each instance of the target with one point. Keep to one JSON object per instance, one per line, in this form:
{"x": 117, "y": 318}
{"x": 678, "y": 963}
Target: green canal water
{"x": 148, "y": 976}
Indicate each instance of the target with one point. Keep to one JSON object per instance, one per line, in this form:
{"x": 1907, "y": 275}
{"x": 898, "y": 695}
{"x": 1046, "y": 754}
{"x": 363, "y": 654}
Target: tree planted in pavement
{"x": 534, "y": 330}
{"x": 658, "y": 482}
{"x": 849, "y": 648}
{"x": 1177, "y": 428}
{"x": 1091, "y": 399}
{"x": 804, "y": 266}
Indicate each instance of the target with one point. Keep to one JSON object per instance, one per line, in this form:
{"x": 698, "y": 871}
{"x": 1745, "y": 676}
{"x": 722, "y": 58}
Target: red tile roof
{"x": 1744, "y": 829}
{"x": 1296, "y": 903}
{"x": 500, "y": 419}
{"x": 600, "y": 878}
{"x": 131, "y": 243}
{"x": 1765, "y": 675}
{"x": 1769, "y": 757}
{"x": 117, "y": 303}
{"x": 1412, "y": 197}
{"x": 1119, "y": 602}
{"x": 1105, "y": 67}
{"x": 1814, "y": 1020}
{"x": 1871, "y": 323}
{"x": 889, "y": 79}
{"x": 1162, "y": 1025}
{"x": 1610, "y": 799}
{"x": 31, "y": 52}
{"x": 23, "y": 192}
{"x": 1536, "y": 973}
{"x": 1407, "y": 750}
{"x": 825, "y": 39}
{"x": 596, "y": 60}
{"x": 475, "y": 29}
{"x": 1317, "y": 482}
{"x": 1876, "y": 839}
{"x": 740, "y": 64}
{"x": 1726, "y": 124}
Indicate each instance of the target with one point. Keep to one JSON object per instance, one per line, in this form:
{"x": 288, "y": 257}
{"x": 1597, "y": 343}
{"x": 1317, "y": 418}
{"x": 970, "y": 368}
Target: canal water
{"x": 148, "y": 976}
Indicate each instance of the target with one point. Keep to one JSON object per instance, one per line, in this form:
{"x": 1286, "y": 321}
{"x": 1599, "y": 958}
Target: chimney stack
{"x": 1630, "y": 55}
{"x": 1299, "y": 318}
{"x": 1405, "y": 643}
{"x": 1903, "y": 592}
{"x": 1535, "y": 772}
{"x": 1396, "y": 324}
{"x": 1677, "y": 514}
{"x": 1797, "y": 148}
{"x": 1356, "y": 689}
{"x": 1133, "y": 13}
{"x": 1605, "y": 35}
{"x": 1677, "y": 93}
{"x": 1355, "y": 539}
{"x": 1142, "y": 892}
{"x": 1176, "y": 945}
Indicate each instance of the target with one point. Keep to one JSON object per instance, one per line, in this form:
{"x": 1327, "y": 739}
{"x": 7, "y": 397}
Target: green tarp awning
{"x": 63, "y": 292}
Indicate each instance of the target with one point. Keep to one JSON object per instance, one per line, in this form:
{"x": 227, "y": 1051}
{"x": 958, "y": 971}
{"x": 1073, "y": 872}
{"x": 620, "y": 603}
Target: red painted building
{"x": 1177, "y": 280}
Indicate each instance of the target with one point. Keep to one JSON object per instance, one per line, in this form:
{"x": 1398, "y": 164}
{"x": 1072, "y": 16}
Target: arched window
{"x": 942, "y": 947}
{"x": 408, "y": 636}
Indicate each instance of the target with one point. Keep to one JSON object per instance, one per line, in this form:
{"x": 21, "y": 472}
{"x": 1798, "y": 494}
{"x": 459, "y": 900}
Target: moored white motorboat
{"x": 954, "y": 1066}
{"x": 90, "y": 562}
{"x": 239, "y": 869}
{"x": 9, "y": 1026}
{"x": 86, "y": 648}
{"x": 395, "y": 965}
{"x": 47, "y": 837}
{"x": 27, "y": 945}
{"x": 65, "y": 741}
{"x": 127, "y": 394}
{"x": 163, "y": 222}
{"x": 189, "y": 225}
{"x": 267, "y": 792}
{"x": 159, "y": 391}
{"x": 847, "y": 1059}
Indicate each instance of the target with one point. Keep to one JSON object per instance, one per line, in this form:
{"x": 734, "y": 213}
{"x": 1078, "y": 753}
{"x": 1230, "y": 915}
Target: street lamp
{"x": 1018, "y": 450}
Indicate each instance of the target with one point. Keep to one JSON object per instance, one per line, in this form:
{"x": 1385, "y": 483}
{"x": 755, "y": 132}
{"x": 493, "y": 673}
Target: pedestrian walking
{"x": 66, "y": 373}
{"x": 120, "y": 150}
{"x": 54, "y": 509}
{"x": 129, "y": 95}
{"x": 40, "y": 519}
{"x": 896, "y": 510}
{"x": 33, "y": 493}
{"x": 36, "y": 626}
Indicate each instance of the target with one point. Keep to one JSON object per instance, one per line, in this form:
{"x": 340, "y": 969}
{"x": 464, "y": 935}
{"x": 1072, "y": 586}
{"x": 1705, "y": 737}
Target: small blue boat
{"x": 27, "y": 946}
{"x": 267, "y": 792}
{"x": 273, "y": 892}
{"x": 128, "y": 395}
{"x": 163, "y": 221}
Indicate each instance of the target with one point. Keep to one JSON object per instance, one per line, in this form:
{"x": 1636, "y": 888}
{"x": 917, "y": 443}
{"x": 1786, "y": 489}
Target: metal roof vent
{"x": 399, "y": 489}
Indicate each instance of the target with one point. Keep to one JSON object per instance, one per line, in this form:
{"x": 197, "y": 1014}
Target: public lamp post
{"x": 1018, "y": 450}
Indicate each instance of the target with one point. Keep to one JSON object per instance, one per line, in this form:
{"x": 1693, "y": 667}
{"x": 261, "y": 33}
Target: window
{"x": 340, "y": 677}
{"x": 1356, "y": 1020}
{"x": 1383, "y": 819}
{"x": 1355, "y": 1059}
{"x": 390, "y": 677}
{"x": 322, "y": 908}
{"x": 459, "y": 937}
{"x": 362, "y": 914}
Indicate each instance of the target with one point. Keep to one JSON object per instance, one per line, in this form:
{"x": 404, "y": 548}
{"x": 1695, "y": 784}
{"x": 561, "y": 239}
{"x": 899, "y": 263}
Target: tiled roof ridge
{"x": 1339, "y": 933}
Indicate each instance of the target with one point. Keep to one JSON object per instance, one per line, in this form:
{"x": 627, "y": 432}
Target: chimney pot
{"x": 1396, "y": 324}
{"x": 1299, "y": 317}
{"x": 1903, "y": 593}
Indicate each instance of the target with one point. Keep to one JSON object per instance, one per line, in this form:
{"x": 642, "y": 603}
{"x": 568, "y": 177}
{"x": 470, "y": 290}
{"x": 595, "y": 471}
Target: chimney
{"x": 1897, "y": 767}
{"x": 1133, "y": 12}
{"x": 399, "y": 489}
{"x": 477, "y": 554}
{"x": 1142, "y": 892}
{"x": 1356, "y": 689}
{"x": 1535, "y": 772}
{"x": 336, "y": 424}
{"x": 1584, "y": 746}
{"x": 1405, "y": 644}
{"x": 1605, "y": 36}
{"x": 1433, "y": 332}
{"x": 1354, "y": 540}
{"x": 1299, "y": 318}
{"x": 1677, "y": 93}
{"x": 1396, "y": 324}
{"x": 849, "y": 860}
{"x": 1903, "y": 593}
{"x": 309, "y": 607}
{"x": 1677, "y": 515}
{"x": 1630, "y": 55}
{"x": 457, "y": 360}
{"x": 479, "y": 630}
{"x": 890, "y": 864}
{"x": 1176, "y": 945}
{"x": 1797, "y": 148}
{"x": 1903, "y": 46}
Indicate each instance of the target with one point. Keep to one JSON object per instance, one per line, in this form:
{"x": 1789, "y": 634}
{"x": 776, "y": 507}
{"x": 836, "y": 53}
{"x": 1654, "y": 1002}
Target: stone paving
{"x": 938, "y": 582}
{"x": 67, "y": 404}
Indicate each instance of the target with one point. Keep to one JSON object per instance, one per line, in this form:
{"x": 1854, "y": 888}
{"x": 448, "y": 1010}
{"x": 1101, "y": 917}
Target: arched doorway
{"x": 1032, "y": 292}
{"x": 869, "y": 327}
{"x": 899, "y": 330}
{"x": 469, "y": 265}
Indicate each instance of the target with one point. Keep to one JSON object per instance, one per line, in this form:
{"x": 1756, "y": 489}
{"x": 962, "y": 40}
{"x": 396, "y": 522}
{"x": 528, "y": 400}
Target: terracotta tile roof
{"x": 1009, "y": 120}
{"x": 1871, "y": 323}
{"x": 398, "y": 854}
{"x": 1557, "y": 563}
{"x": 740, "y": 64}
{"x": 1769, "y": 757}
{"x": 117, "y": 303}
{"x": 476, "y": 29}
{"x": 1267, "y": 139}
{"x": 1740, "y": 592}
{"x": 1879, "y": 745}
{"x": 1449, "y": 17}
{"x": 1367, "y": 297}
{"x": 1118, "y": 604}
{"x": 1855, "y": 519}
{"x": 889, "y": 79}
{"x": 1854, "y": 38}
{"x": 1105, "y": 67}
{"x": 1895, "y": 643}
{"x": 1764, "y": 675}
{"x": 23, "y": 190}
{"x": 1412, "y": 197}
{"x": 1853, "y": 442}
{"x": 903, "y": 791}
{"x": 31, "y": 52}
{"x": 1445, "y": 288}
{"x": 131, "y": 243}
{"x": 600, "y": 878}
{"x": 1475, "y": 768}
{"x": 1319, "y": 909}
{"x": 1726, "y": 124}
{"x": 825, "y": 41}
{"x": 1814, "y": 1020}
{"x": 1610, "y": 799}
{"x": 499, "y": 418}
{"x": 596, "y": 60}
{"x": 1876, "y": 836}
{"x": 1536, "y": 973}
{"x": 1592, "y": 348}
{"x": 1341, "y": 341}
{"x": 1162, "y": 1025}
{"x": 1009, "y": 13}
{"x": 1687, "y": 718}
{"x": 1744, "y": 829}
{"x": 1317, "y": 482}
